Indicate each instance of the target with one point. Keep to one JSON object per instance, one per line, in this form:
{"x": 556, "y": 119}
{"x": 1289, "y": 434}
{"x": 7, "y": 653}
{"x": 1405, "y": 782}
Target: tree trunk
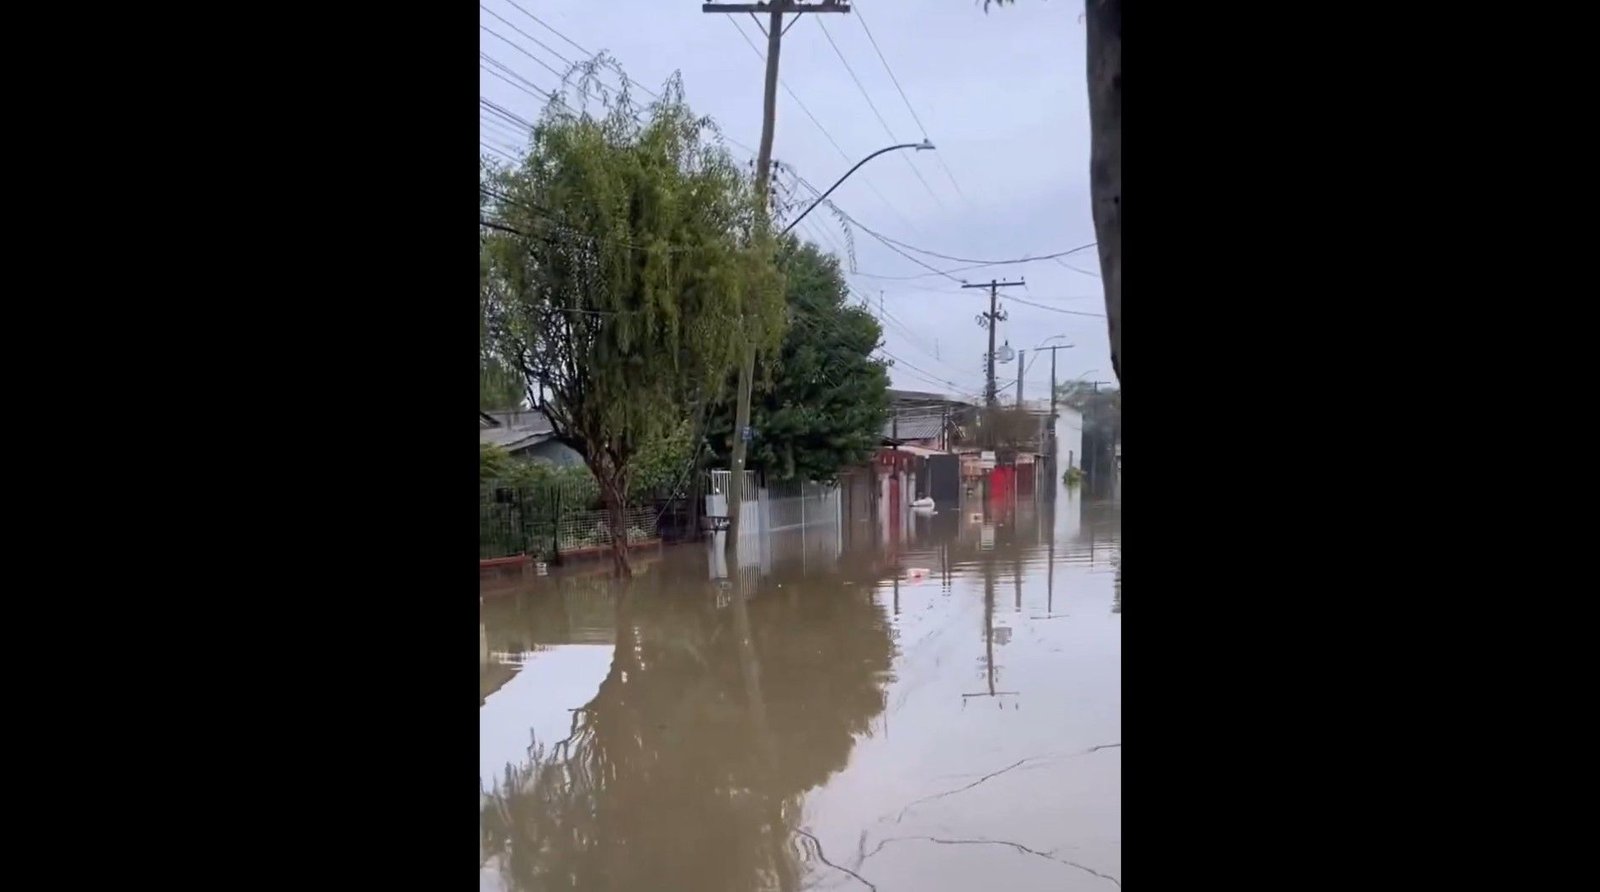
{"x": 616, "y": 496}
{"x": 1104, "y": 24}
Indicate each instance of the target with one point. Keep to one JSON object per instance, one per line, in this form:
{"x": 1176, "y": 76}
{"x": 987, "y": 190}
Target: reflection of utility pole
{"x": 1016, "y": 576}
{"x": 988, "y": 635}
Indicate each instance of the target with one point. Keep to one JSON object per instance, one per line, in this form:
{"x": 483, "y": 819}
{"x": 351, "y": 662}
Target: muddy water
{"x": 922, "y": 708}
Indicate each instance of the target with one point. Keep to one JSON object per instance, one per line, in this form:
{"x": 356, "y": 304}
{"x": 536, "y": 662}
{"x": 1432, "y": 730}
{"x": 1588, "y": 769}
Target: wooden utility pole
{"x": 988, "y": 320}
{"x": 769, "y": 111}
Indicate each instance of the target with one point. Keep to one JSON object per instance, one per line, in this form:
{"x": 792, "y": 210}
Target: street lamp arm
{"x": 919, "y": 146}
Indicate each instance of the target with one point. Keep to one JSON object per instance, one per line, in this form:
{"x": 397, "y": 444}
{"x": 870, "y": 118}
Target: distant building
{"x": 1069, "y": 438}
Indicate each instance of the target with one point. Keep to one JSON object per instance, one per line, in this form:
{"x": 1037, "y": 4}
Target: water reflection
{"x": 717, "y": 717}
{"x": 691, "y": 732}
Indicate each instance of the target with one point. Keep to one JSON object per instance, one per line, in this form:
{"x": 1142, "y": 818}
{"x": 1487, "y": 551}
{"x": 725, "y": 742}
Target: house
{"x": 525, "y": 434}
{"x": 925, "y": 431}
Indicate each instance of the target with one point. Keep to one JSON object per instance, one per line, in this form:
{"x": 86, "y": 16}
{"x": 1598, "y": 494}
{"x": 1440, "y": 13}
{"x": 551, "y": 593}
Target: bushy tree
{"x": 823, "y": 400}
{"x": 621, "y": 265}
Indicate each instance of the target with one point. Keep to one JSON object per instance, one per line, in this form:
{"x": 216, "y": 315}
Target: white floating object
{"x": 917, "y": 572}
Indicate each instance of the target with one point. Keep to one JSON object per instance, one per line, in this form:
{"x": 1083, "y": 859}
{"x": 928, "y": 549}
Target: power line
{"x": 548, "y": 27}
{"x": 1076, "y": 270}
{"x": 541, "y": 44}
{"x": 536, "y": 95}
{"x": 506, "y": 130}
{"x": 497, "y": 151}
{"x": 835, "y": 143}
{"x": 486, "y": 57}
{"x": 870, "y": 104}
{"x": 1056, "y": 309}
{"x": 500, "y": 110}
{"x": 575, "y": 45}
{"x": 1023, "y": 259}
{"x": 518, "y": 47}
{"x": 836, "y": 209}
{"x": 906, "y": 99}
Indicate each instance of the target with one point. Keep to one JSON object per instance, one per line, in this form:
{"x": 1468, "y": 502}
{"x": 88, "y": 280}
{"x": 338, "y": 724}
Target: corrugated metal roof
{"x": 917, "y": 427}
{"x": 523, "y": 419}
{"x": 511, "y": 439}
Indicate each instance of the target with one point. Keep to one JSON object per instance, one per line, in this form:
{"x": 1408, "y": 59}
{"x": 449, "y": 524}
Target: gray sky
{"x": 1003, "y": 98}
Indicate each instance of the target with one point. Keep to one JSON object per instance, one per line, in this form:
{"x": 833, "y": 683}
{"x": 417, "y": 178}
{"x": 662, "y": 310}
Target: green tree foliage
{"x": 499, "y": 387}
{"x": 822, "y": 404}
{"x": 1004, "y": 427}
{"x": 620, "y": 264}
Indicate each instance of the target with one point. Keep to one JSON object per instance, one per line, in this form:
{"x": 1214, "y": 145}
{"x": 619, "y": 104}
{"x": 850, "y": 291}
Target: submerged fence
{"x": 564, "y": 518}
{"x": 780, "y": 521}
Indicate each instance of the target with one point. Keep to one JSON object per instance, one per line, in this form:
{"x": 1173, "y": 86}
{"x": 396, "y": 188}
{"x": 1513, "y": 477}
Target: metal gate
{"x": 944, "y": 481}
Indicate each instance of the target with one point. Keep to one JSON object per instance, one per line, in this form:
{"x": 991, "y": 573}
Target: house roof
{"x": 916, "y": 427}
{"x": 511, "y": 439}
{"x": 522, "y": 419}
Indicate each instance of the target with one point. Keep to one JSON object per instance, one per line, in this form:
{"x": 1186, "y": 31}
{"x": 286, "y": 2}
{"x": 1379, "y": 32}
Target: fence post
{"x": 555, "y": 528}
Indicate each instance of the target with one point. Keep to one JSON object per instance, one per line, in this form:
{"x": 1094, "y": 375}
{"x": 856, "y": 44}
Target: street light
{"x": 925, "y": 145}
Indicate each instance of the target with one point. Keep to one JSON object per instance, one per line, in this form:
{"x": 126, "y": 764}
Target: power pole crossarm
{"x": 989, "y": 319}
{"x": 779, "y": 6}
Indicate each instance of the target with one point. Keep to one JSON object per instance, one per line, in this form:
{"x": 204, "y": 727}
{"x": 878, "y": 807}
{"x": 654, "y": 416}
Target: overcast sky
{"x": 1002, "y": 96}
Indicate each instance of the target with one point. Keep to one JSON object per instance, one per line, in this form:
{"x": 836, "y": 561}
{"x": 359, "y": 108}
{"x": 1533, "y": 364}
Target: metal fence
{"x": 552, "y": 520}
{"x": 780, "y": 520}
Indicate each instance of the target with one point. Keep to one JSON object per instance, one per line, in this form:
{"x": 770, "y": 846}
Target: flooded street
{"x": 934, "y": 707}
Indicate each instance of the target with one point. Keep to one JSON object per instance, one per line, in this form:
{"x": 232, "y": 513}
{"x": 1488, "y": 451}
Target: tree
{"x": 499, "y": 387}
{"x": 619, "y": 258}
{"x": 824, "y": 400}
{"x": 1103, "y": 20}
{"x": 1005, "y": 428}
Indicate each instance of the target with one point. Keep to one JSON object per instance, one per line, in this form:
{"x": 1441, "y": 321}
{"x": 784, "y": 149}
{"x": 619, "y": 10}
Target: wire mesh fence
{"x": 551, "y": 520}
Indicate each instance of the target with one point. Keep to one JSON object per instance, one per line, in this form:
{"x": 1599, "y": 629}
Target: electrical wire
{"x": 499, "y": 152}
{"x": 518, "y": 47}
{"x": 1067, "y": 265}
{"x": 514, "y": 84}
{"x": 541, "y": 44}
{"x": 1055, "y": 309}
{"x": 1024, "y": 259}
{"x": 503, "y": 112}
{"x": 824, "y": 130}
{"x": 575, "y": 45}
{"x": 938, "y": 159}
{"x": 486, "y": 57}
{"x": 870, "y": 104}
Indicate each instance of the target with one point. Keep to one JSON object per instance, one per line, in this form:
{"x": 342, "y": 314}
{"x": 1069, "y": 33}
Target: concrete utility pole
{"x": 1020, "y": 355}
{"x": 988, "y": 320}
{"x": 1053, "y": 396}
{"x": 769, "y": 109}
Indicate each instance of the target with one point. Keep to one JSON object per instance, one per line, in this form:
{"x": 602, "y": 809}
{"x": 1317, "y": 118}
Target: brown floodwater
{"x": 930, "y": 708}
